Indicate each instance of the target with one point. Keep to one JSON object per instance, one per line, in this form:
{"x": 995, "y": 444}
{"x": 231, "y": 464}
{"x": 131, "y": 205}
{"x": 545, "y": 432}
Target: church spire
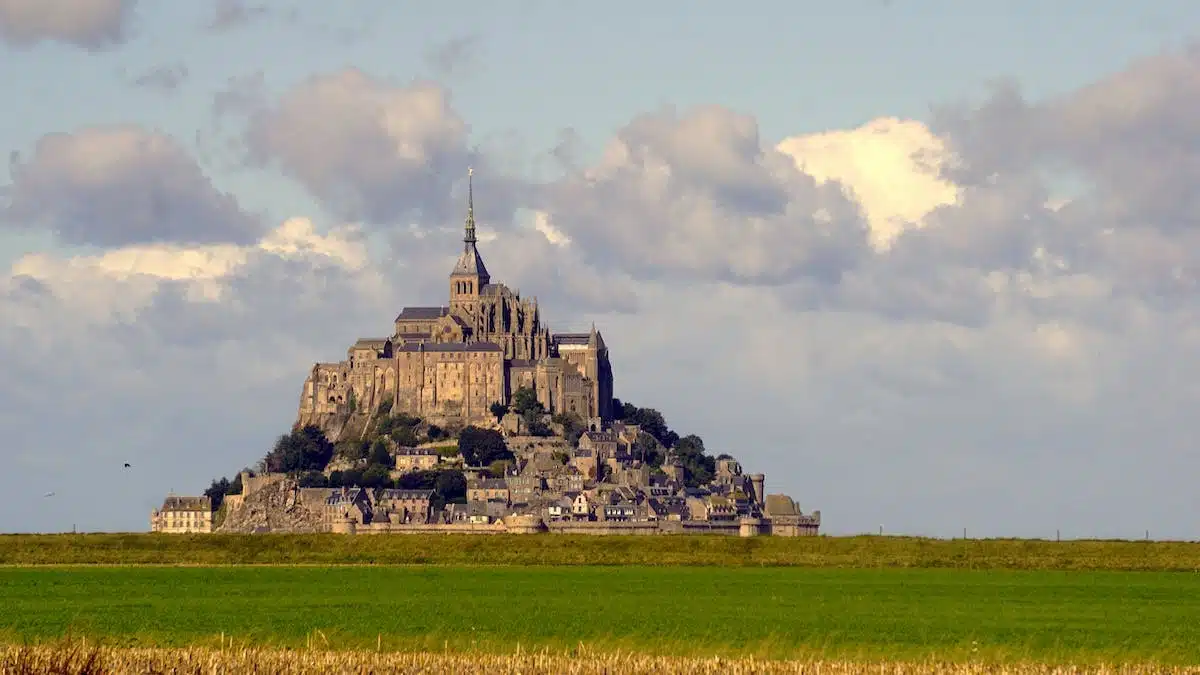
{"x": 469, "y": 239}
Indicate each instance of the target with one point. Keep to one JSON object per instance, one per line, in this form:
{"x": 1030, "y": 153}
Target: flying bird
{"x": 48, "y": 494}
{"x": 126, "y": 465}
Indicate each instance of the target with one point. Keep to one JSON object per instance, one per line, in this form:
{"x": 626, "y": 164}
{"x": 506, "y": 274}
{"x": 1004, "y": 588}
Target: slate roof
{"x": 572, "y": 338}
{"x": 452, "y": 347}
{"x": 470, "y": 263}
{"x": 175, "y": 503}
{"x": 422, "y": 313}
{"x": 405, "y": 495}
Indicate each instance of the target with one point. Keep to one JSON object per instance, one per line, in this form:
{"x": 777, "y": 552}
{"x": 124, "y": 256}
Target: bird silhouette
{"x": 126, "y": 465}
{"x": 48, "y": 494}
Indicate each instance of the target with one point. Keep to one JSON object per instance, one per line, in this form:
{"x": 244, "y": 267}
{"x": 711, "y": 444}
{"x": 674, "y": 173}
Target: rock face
{"x": 274, "y": 508}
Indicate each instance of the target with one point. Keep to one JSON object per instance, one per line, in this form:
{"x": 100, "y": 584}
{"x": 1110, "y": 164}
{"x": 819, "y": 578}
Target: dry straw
{"x": 76, "y": 659}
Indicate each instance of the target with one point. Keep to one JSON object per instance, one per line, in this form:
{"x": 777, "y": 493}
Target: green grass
{"x": 775, "y": 612}
{"x": 828, "y": 552}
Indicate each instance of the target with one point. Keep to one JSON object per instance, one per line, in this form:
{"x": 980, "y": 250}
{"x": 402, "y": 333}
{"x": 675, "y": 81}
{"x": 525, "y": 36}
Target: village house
{"x": 408, "y": 460}
{"x": 404, "y": 506}
{"x": 183, "y": 515}
{"x": 489, "y": 489}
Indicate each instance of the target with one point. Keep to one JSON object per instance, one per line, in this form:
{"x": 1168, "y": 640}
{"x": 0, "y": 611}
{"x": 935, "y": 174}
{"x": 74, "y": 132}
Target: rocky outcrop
{"x": 273, "y": 508}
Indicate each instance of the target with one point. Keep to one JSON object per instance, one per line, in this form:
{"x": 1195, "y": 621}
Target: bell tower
{"x": 469, "y": 275}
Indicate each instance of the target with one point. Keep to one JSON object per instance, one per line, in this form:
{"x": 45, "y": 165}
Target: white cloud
{"x": 891, "y": 165}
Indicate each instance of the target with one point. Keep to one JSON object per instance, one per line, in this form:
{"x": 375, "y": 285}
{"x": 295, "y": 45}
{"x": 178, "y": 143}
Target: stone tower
{"x": 469, "y": 275}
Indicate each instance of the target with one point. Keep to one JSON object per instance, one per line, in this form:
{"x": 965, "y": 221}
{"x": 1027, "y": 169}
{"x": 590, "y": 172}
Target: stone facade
{"x": 183, "y": 515}
{"x": 450, "y": 363}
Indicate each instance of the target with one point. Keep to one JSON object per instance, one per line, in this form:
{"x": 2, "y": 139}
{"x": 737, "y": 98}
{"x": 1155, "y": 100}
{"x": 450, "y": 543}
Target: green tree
{"x": 235, "y": 485}
{"x": 498, "y": 410}
{"x": 698, "y": 467}
{"x": 376, "y": 476}
{"x": 354, "y": 449}
{"x": 216, "y": 492}
{"x": 405, "y": 436}
{"x": 351, "y": 401}
{"x": 434, "y": 432}
{"x": 480, "y": 447}
{"x": 647, "y": 449}
{"x": 313, "y": 479}
{"x": 451, "y": 486}
{"x": 573, "y": 426}
{"x": 525, "y": 400}
{"x": 336, "y": 479}
{"x": 381, "y": 454}
{"x": 651, "y": 421}
{"x": 305, "y": 449}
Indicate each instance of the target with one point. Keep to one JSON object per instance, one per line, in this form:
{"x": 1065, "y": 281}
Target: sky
{"x": 930, "y": 267}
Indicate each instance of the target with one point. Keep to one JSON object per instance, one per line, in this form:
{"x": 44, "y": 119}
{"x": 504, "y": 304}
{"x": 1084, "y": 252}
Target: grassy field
{"x": 828, "y": 552}
{"x": 906, "y": 615}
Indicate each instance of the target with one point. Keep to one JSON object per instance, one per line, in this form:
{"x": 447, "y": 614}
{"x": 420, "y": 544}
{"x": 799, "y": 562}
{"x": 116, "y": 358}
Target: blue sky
{"x": 519, "y": 74}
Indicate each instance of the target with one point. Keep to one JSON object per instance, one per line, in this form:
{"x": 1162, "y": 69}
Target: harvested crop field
{"x": 775, "y": 613}
{"x": 79, "y": 659}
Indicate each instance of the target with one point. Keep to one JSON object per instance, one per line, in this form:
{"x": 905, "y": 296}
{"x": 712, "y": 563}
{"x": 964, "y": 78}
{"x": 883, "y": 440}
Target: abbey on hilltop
{"x": 452, "y": 362}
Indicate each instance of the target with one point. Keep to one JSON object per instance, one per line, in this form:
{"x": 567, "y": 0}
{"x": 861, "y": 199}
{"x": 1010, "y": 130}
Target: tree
{"x": 646, "y": 448}
{"x": 698, "y": 467}
{"x": 434, "y": 432}
{"x": 651, "y": 421}
{"x": 572, "y": 424}
{"x": 385, "y": 407}
{"x": 498, "y": 410}
{"x": 235, "y": 485}
{"x": 381, "y": 455}
{"x": 480, "y": 447}
{"x": 525, "y": 401}
{"x": 724, "y": 455}
{"x": 351, "y": 402}
{"x": 305, "y": 449}
{"x": 405, "y": 437}
{"x": 353, "y": 449}
{"x": 216, "y": 492}
{"x": 536, "y": 426}
{"x": 313, "y": 479}
{"x": 376, "y": 476}
{"x": 451, "y": 486}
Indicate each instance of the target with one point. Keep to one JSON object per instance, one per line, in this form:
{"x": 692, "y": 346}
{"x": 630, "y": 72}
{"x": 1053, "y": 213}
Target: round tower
{"x": 756, "y": 481}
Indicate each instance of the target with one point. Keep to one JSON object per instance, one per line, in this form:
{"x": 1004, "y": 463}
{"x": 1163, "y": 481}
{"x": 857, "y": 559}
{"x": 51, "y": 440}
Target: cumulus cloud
{"x": 698, "y": 195}
{"x": 90, "y": 24}
{"x": 892, "y": 166}
{"x": 369, "y": 149}
{"x": 114, "y": 185}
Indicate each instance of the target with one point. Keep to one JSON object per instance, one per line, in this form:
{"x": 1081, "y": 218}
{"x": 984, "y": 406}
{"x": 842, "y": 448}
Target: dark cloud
{"x": 116, "y": 185}
{"x": 89, "y": 24}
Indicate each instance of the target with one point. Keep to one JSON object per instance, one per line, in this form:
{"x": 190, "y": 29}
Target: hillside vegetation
{"x": 675, "y": 550}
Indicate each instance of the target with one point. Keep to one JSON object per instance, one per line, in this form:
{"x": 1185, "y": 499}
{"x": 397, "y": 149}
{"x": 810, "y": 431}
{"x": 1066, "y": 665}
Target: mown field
{"x": 824, "y": 552}
{"x": 74, "y": 658}
{"x": 911, "y": 615}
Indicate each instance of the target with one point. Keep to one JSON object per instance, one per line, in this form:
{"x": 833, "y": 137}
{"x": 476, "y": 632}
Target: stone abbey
{"x": 450, "y": 363}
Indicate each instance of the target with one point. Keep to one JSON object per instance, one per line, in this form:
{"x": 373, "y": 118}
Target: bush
{"x": 313, "y": 479}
